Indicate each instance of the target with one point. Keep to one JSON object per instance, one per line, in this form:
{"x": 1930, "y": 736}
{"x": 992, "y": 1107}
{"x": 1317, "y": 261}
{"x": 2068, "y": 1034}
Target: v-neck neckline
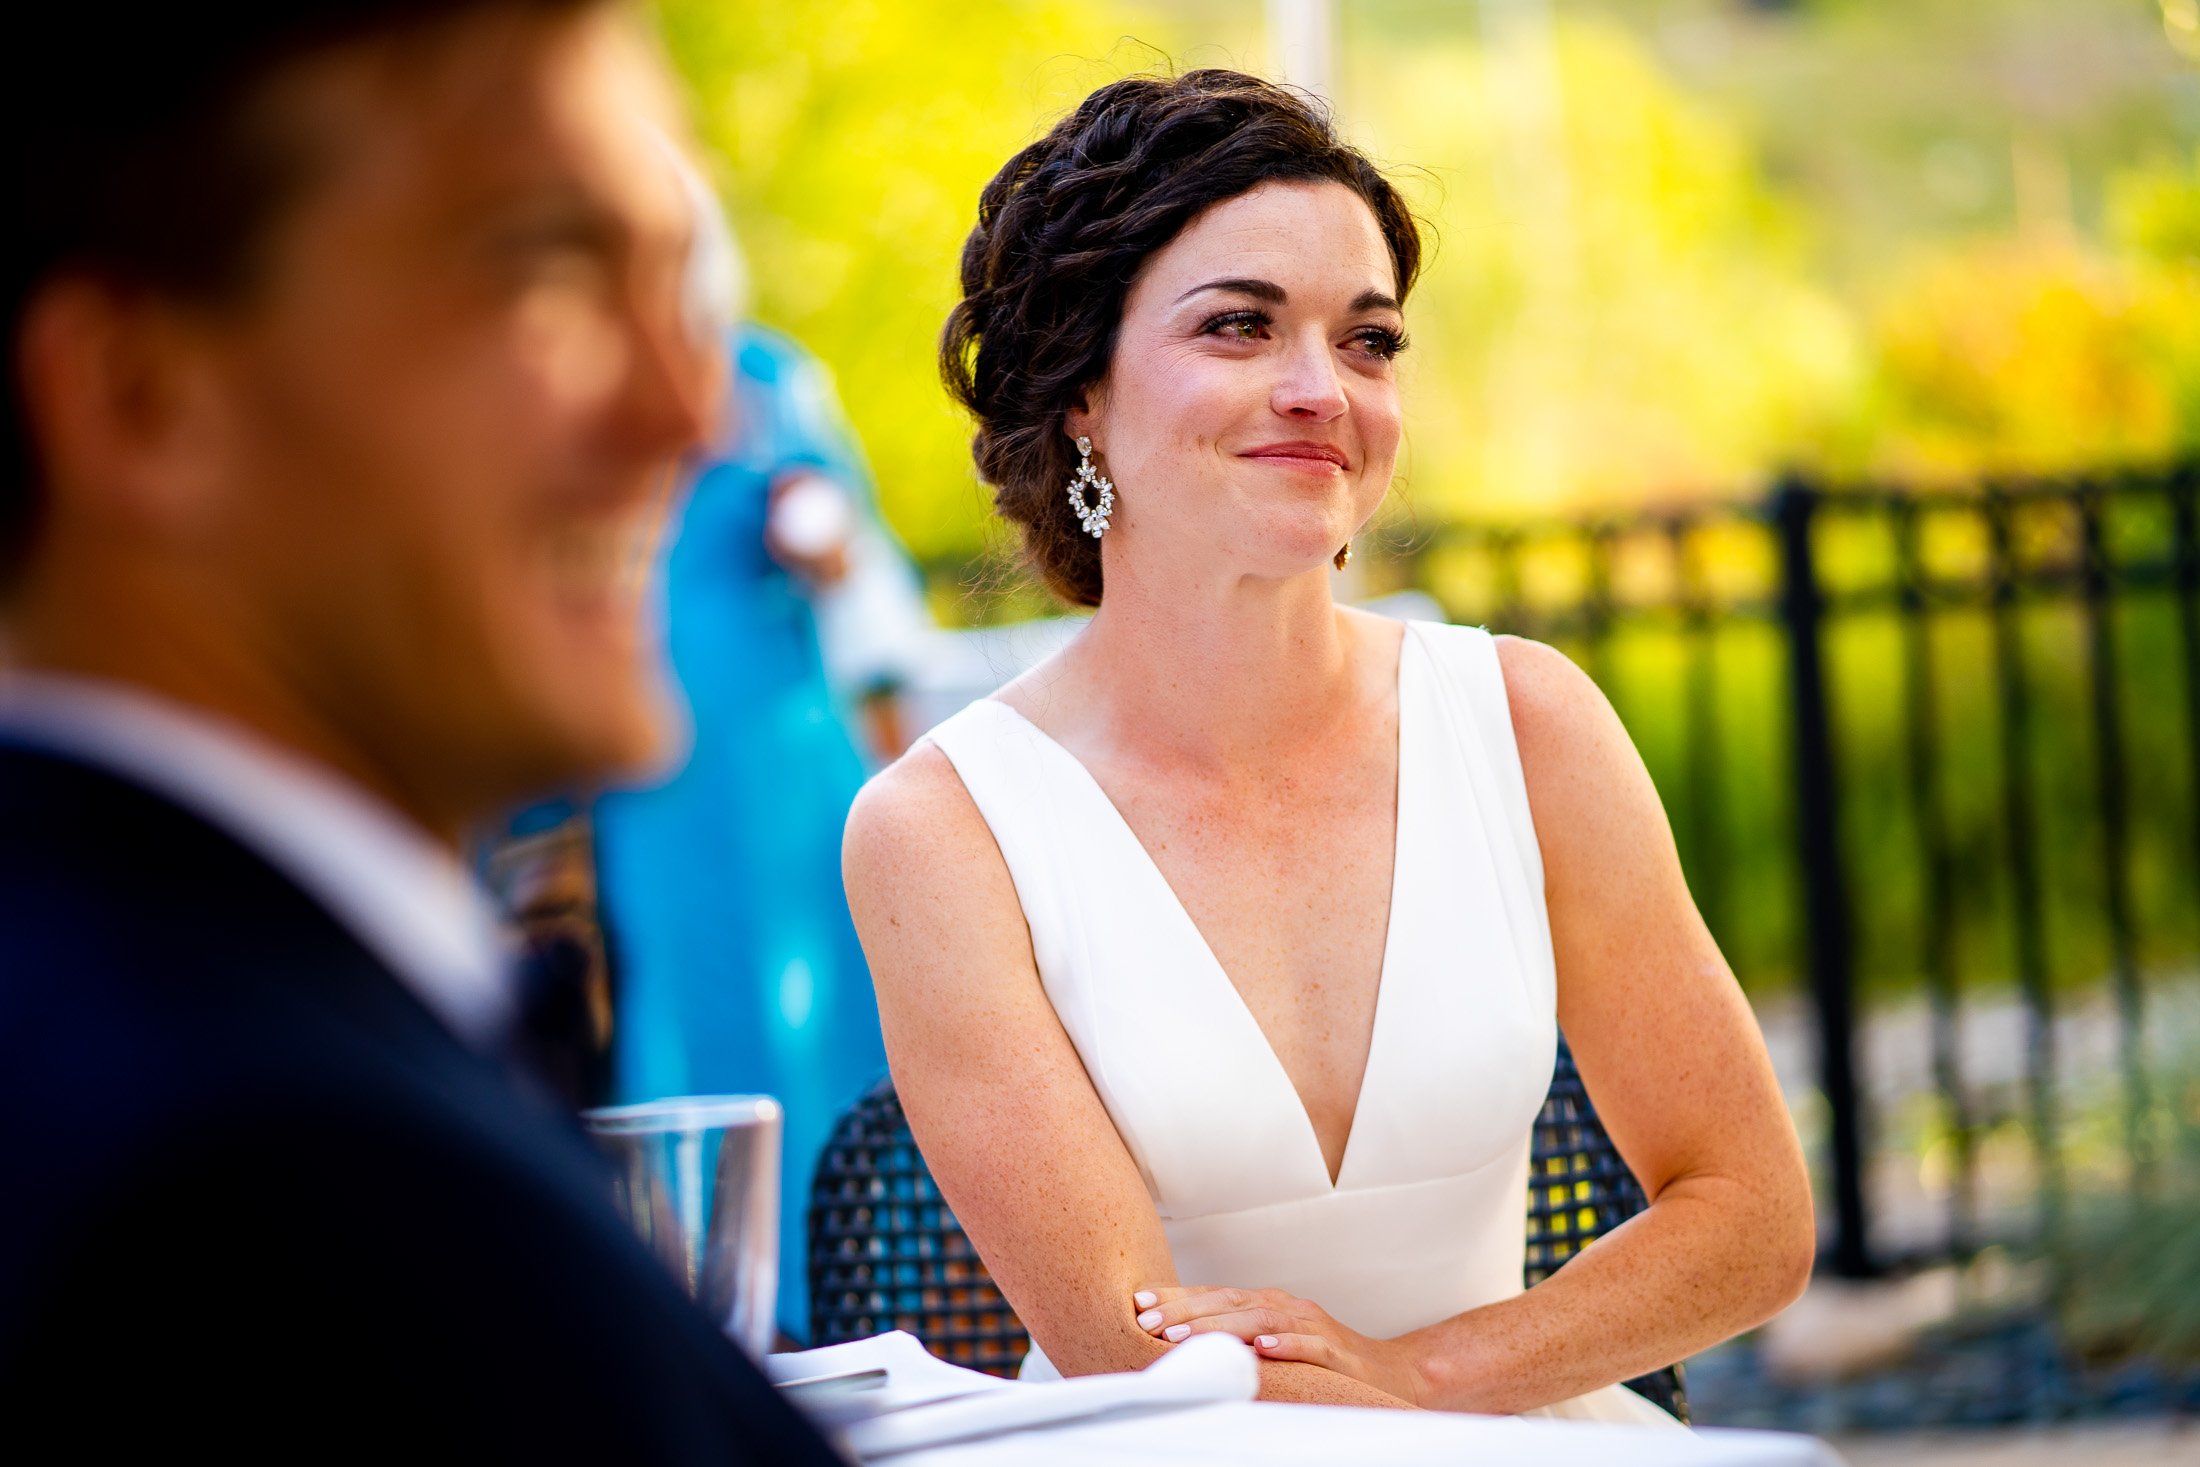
{"x": 1235, "y": 996}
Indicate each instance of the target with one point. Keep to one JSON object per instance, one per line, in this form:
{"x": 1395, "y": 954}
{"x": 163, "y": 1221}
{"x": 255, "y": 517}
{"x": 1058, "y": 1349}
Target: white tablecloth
{"x": 1269, "y": 1434}
{"x": 892, "y": 1404}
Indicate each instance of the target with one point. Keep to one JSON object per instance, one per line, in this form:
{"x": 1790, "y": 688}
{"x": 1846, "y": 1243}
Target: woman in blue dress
{"x": 738, "y": 968}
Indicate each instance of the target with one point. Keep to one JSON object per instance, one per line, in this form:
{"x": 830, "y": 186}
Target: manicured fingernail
{"x": 1176, "y": 1331}
{"x": 1266, "y": 1342}
{"x": 1149, "y": 1319}
{"x": 1145, "y": 1298}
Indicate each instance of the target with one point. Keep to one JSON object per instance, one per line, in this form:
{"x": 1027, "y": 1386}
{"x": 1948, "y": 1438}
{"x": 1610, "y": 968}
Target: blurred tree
{"x": 1680, "y": 245}
{"x": 1648, "y": 282}
{"x": 853, "y": 137}
{"x": 2032, "y": 355}
{"x": 1621, "y": 305}
{"x": 2153, "y": 212}
{"x": 2046, "y": 351}
{"x": 2153, "y": 217}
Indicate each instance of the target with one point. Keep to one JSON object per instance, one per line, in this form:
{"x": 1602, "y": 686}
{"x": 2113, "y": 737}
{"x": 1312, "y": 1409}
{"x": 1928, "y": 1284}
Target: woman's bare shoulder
{"x": 937, "y": 910}
{"x": 1559, "y": 715}
{"x": 1597, "y": 814}
{"x": 915, "y": 810}
{"x": 1586, "y": 783}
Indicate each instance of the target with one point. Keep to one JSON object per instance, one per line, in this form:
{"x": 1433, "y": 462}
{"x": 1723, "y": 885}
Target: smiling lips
{"x": 1300, "y": 455}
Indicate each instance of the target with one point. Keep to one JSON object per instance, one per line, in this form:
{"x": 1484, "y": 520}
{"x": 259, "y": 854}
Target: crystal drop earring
{"x": 1094, "y": 517}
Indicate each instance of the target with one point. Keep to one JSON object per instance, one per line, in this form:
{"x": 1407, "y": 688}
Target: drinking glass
{"x": 698, "y": 1177}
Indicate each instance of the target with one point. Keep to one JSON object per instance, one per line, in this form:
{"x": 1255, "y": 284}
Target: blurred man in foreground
{"x": 346, "y": 367}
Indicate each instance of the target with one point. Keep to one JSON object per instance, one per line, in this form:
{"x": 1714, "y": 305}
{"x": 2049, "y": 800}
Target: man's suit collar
{"x": 402, "y": 896}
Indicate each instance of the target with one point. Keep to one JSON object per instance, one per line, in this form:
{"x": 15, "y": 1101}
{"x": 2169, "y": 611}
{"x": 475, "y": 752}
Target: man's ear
{"x": 119, "y": 395}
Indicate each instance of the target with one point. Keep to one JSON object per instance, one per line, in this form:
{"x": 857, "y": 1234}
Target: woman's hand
{"x": 1280, "y": 1326}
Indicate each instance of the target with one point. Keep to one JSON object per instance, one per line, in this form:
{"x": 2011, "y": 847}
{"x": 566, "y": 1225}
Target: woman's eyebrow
{"x": 1260, "y": 290}
{"x": 1274, "y": 294}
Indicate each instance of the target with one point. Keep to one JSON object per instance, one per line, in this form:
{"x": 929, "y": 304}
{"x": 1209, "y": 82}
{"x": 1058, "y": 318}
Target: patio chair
{"x": 886, "y": 1253}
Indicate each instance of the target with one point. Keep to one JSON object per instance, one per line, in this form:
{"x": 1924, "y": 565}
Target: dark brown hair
{"x": 1064, "y": 228}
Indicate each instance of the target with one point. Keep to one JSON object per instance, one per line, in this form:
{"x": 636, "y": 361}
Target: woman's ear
{"x": 1086, "y": 417}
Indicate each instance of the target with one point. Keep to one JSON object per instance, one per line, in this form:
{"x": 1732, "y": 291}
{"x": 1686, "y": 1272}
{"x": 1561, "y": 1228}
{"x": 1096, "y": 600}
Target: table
{"x": 1273, "y": 1434}
{"x": 893, "y": 1404}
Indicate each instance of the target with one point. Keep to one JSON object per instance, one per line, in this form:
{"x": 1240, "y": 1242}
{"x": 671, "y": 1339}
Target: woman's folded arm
{"x": 1676, "y": 1067}
{"x": 1016, "y": 1137}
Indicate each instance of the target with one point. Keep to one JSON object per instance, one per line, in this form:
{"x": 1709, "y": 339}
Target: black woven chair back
{"x": 886, "y": 1252}
{"x": 1579, "y": 1190}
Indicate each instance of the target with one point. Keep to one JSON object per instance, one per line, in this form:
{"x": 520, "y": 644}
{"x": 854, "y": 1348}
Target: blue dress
{"x": 738, "y": 967}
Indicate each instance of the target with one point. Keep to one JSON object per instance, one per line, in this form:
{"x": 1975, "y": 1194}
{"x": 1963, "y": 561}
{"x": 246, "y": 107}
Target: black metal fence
{"x": 1911, "y": 739}
{"x": 1916, "y": 743}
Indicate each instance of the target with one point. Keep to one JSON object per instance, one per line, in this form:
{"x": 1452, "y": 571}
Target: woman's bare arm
{"x": 1016, "y": 1137}
{"x": 1675, "y": 1064}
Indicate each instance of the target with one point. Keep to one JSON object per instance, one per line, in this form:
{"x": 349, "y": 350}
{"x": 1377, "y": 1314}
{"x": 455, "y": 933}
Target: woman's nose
{"x": 1309, "y": 389}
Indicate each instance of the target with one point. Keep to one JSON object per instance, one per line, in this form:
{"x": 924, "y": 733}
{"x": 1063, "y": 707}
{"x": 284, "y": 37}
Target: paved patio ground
{"x": 2151, "y": 1444}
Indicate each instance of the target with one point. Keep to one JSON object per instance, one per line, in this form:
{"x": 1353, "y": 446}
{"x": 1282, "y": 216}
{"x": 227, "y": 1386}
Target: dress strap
{"x": 1471, "y": 684}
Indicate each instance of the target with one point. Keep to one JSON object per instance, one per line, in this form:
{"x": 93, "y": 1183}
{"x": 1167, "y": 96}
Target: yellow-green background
{"x": 1681, "y": 243}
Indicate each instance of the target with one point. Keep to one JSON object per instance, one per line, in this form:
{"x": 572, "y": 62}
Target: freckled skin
{"x": 1246, "y": 727}
{"x": 1288, "y": 893}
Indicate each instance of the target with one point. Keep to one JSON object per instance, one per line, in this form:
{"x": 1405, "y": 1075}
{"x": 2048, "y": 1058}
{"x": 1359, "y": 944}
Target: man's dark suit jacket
{"x": 253, "y": 1195}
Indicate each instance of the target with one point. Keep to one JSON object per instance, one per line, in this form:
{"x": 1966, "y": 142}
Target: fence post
{"x": 1829, "y": 955}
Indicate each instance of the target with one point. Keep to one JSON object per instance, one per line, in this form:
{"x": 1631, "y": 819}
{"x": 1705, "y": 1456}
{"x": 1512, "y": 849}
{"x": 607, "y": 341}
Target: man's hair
{"x": 136, "y": 151}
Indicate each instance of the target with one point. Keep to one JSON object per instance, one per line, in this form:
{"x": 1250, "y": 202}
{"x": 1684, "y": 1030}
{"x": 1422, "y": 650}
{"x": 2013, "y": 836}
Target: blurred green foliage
{"x": 2131, "y": 1262}
{"x": 851, "y": 138}
{"x": 1680, "y": 246}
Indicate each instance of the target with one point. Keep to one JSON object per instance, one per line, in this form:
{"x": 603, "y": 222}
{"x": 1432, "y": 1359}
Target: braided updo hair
{"x": 1063, "y": 230}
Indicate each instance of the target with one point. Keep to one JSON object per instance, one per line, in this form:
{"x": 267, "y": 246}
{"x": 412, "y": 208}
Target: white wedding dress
{"x": 1427, "y": 1217}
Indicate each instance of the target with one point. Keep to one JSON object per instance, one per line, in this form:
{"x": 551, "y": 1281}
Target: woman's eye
{"x": 1378, "y": 341}
{"x": 1239, "y": 325}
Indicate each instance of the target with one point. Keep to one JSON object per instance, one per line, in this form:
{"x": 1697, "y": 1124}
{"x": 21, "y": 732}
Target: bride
{"x": 1222, "y": 957}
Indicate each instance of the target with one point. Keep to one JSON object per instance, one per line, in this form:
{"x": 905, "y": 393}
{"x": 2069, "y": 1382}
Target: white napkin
{"x": 928, "y": 1403}
{"x": 914, "y": 1377}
